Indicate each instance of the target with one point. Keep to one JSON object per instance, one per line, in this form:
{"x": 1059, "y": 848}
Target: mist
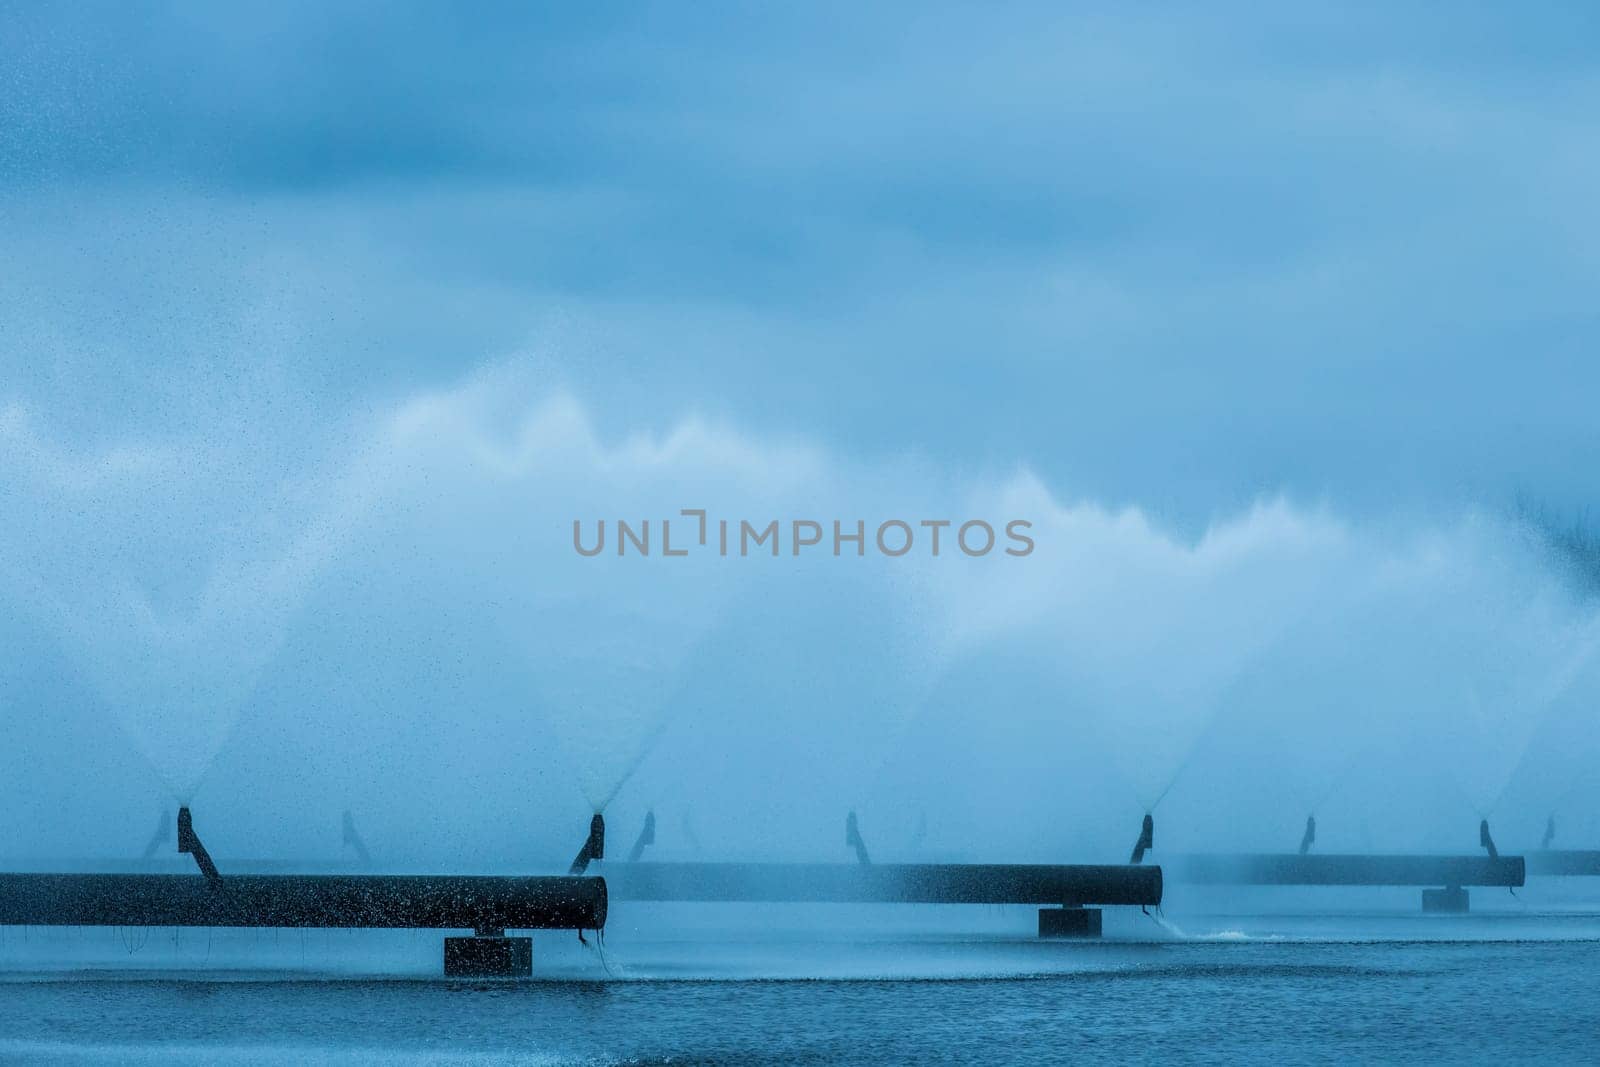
{"x": 380, "y": 609}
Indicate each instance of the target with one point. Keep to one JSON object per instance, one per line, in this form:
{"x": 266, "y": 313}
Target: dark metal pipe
{"x": 1284, "y": 869}
{"x": 343, "y": 901}
{"x": 888, "y": 883}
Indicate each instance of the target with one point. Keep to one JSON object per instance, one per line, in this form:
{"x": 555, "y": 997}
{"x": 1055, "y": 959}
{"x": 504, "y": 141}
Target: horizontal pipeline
{"x": 341, "y": 901}
{"x": 891, "y": 883}
{"x": 1564, "y": 862}
{"x": 1330, "y": 869}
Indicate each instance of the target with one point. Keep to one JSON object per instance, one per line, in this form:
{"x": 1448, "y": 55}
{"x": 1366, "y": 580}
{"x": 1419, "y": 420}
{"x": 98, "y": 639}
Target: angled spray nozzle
{"x": 594, "y": 848}
{"x": 1486, "y": 841}
{"x": 852, "y": 839}
{"x": 189, "y": 842}
{"x": 352, "y": 840}
{"x": 1147, "y": 840}
{"x": 1309, "y": 836}
{"x": 1549, "y": 832}
{"x": 646, "y": 838}
{"x": 161, "y": 836}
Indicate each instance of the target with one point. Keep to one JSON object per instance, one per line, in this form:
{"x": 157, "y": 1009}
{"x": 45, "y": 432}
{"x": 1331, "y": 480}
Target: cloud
{"x": 1170, "y": 258}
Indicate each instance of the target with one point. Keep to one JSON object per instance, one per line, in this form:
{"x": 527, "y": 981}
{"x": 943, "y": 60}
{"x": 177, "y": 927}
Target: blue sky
{"x": 1171, "y": 257}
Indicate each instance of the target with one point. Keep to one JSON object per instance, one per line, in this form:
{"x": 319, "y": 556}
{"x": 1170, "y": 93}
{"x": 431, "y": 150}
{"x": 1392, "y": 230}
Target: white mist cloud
{"x": 1427, "y": 649}
{"x": 410, "y": 609}
{"x": 164, "y": 575}
{"x": 497, "y": 471}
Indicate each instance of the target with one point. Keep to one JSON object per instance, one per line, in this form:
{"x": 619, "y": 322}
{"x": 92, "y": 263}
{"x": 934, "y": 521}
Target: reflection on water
{"x": 1252, "y": 1001}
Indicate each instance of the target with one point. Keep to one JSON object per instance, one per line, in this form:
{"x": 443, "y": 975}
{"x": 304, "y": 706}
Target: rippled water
{"x": 1224, "y": 999}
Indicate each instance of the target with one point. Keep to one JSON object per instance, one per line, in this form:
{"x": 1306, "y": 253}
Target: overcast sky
{"x": 1163, "y": 256}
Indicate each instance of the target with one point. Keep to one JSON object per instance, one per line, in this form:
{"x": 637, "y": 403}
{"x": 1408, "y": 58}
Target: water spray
{"x": 646, "y": 838}
{"x": 1147, "y": 839}
{"x": 189, "y": 842}
{"x": 852, "y": 839}
{"x": 1310, "y": 836}
{"x": 594, "y": 848}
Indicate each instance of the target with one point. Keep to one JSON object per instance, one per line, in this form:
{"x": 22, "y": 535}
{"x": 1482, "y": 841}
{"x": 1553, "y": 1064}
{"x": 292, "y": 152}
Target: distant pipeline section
{"x": 1348, "y": 870}
{"x": 1562, "y": 862}
{"x": 888, "y": 883}
{"x": 1568, "y": 863}
{"x": 1450, "y": 874}
{"x": 1066, "y": 889}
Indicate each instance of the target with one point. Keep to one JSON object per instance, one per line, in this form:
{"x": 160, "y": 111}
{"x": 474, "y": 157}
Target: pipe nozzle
{"x": 189, "y": 843}
{"x": 1147, "y": 839}
{"x": 594, "y": 847}
{"x": 852, "y": 839}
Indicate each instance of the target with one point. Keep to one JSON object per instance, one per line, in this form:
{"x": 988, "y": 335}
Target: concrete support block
{"x": 488, "y": 957}
{"x": 1069, "y": 922}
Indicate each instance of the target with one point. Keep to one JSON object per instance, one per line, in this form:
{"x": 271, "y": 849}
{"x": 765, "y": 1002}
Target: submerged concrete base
{"x": 1452, "y": 899}
{"x": 1069, "y": 922}
{"x": 488, "y": 957}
